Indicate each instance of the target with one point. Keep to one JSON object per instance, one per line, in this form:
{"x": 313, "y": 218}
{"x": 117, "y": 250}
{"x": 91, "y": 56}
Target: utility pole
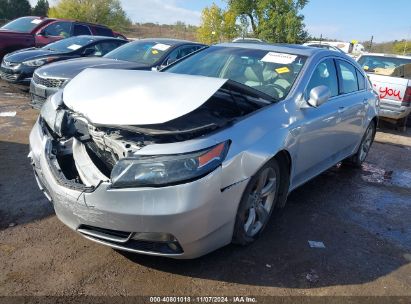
{"x": 372, "y": 38}
{"x": 406, "y": 44}
{"x": 321, "y": 38}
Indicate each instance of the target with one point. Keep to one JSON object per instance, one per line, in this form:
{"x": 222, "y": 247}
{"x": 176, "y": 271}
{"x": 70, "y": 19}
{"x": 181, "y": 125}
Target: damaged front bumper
{"x": 181, "y": 221}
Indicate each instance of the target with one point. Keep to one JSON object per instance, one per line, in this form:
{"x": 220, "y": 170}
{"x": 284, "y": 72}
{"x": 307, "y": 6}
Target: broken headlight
{"x": 49, "y": 109}
{"x": 164, "y": 170}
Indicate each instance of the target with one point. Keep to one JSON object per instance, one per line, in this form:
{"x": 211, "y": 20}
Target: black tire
{"x": 401, "y": 124}
{"x": 359, "y": 157}
{"x": 240, "y": 235}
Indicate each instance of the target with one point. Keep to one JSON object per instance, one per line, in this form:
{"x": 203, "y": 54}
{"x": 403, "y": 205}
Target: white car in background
{"x": 390, "y": 76}
{"x": 324, "y": 45}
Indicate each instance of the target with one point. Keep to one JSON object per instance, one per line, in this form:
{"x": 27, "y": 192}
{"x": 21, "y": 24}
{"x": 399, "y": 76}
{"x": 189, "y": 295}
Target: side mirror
{"x": 42, "y": 33}
{"x": 89, "y": 52}
{"x": 319, "y": 95}
{"x": 170, "y": 61}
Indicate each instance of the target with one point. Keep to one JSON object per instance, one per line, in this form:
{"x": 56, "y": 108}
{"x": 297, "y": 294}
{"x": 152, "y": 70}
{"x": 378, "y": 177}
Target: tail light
{"x": 407, "y": 96}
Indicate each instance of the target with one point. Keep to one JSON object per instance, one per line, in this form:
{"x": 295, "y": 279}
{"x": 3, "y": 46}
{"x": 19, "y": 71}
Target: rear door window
{"x": 102, "y": 48}
{"x": 80, "y": 29}
{"x": 180, "y": 52}
{"x": 348, "y": 77}
{"x": 324, "y": 74}
{"x": 103, "y": 31}
{"x": 361, "y": 81}
{"x": 61, "y": 29}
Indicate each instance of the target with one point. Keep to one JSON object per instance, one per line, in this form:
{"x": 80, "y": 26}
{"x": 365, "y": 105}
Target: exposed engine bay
{"x": 86, "y": 153}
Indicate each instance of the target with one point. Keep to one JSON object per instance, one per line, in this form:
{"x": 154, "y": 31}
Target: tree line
{"x": 275, "y": 21}
{"x": 11, "y": 9}
{"x": 107, "y": 12}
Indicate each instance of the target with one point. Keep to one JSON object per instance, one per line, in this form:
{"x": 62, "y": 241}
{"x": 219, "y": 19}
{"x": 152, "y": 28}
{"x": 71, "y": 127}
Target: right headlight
{"x": 49, "y": 110}
{"x": 39, "y": 62}
{"x": 164, "y": 170}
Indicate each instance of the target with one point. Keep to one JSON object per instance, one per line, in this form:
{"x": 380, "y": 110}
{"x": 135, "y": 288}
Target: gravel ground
{"x": 361, "y": 215}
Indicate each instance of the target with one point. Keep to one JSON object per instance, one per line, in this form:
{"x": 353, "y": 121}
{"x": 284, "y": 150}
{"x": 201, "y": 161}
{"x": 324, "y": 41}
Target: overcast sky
{"x": 341, "y": 19}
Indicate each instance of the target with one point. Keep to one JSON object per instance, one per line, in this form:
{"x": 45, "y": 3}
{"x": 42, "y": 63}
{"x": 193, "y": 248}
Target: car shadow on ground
{"x": 331, "y": 208}
{"x": 21, "y": 200}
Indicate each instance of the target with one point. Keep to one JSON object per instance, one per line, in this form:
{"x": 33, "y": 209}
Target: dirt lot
{"x": 363, "y": 216}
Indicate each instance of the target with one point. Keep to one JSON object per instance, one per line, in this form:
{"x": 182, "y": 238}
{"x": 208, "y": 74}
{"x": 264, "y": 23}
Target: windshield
{"x": 382, "y": 65}
{"x": 69, "y": 44}
{"x": 24, "y": 24}
{"x": 269, "y": 72}
{"x": 143, "y": 52}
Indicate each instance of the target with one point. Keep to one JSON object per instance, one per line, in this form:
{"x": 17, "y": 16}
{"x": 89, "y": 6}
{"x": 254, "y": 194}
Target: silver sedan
{"x": 181, "y": 162}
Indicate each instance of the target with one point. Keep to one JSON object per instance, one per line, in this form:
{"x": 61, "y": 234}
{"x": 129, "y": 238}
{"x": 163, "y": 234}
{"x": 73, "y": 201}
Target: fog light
{"x": 173, "y": 246}
{"x": 153, "y": 237}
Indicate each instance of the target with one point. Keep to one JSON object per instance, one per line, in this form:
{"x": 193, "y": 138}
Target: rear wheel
{"x": 401, "y": 124}
{"x": 257, "y": 204}
{"x": 359, "y": 157}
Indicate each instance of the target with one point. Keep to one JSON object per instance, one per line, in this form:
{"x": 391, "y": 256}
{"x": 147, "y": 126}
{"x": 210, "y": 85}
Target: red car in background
{"x": 34, "y": 31}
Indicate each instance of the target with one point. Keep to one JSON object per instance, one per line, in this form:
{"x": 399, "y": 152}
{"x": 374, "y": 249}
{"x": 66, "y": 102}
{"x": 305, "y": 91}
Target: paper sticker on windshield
{"x": 36, "y": 21}
{"x": 155, "y": 52}
{"x": 279, "y": 58}
{"x": 74, "y": 47}
{"x": 161, "y": 47}
{"x": 282, "y": 70}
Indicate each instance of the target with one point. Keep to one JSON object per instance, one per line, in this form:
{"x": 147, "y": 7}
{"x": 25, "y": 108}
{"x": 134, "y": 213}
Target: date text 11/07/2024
{"x": 203, "y": 299}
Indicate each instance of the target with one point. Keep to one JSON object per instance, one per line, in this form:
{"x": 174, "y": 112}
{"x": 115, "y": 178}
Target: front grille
{"x": 8, "y": 77}
{"x": 48, "y": 82}
{"x": 37, "y": 101}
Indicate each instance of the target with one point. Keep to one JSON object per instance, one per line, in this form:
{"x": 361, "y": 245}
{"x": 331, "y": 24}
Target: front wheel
{"x": 257, "y": 204}
{"x": 359, "y": 157}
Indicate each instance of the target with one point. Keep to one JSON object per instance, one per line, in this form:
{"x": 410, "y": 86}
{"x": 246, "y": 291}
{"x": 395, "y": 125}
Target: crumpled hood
{"x": 121, "y": 97}
{"x": 70, "y": 68}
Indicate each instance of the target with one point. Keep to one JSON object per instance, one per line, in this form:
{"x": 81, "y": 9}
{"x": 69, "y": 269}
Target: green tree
{"x": 107, "y": 12}
{"x": 210, "y": 29}
{"x": 217, "y": 25}
{"x": 402, "y": 47}
{"x": 41, "y": 8}
{"x": 11, "y": 9}
{"x": 230, "y": 29}
{"x": 4, "y": 9}
{"x": 277, "y": 21}
{"x": 180, "y": 26}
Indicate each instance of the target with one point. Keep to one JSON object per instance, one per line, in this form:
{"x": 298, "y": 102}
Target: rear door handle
{"x": 341, "y": 109}
{"x": 365, "y": 101}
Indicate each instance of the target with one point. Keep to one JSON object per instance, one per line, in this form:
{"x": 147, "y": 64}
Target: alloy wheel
{"x": 260, "y": 201}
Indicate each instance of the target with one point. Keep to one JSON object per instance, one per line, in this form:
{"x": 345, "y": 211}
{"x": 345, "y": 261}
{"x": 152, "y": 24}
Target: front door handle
{"x": 365, "y": 101}
{"x": 341, "y": 109}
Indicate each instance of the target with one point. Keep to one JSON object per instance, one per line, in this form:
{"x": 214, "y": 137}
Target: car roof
{"x": 66, "y": 20}
{"x": 169, "y": 41}
{"x": 296, "y": 49}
